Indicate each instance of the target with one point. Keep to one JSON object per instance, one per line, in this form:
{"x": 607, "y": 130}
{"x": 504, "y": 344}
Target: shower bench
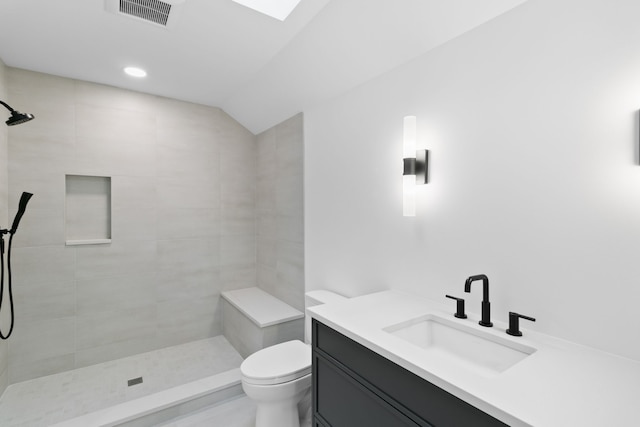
{"x": 253, "y": 319}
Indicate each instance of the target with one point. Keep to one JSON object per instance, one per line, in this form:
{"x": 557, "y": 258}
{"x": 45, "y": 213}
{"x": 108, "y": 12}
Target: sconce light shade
{"x": 409, "y": 137}
{"x": 409, "y": 175}
{"x": 415, "y": 167}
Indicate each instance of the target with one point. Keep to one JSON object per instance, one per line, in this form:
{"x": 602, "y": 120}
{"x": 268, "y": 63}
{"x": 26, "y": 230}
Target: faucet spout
{"x": 486, "y": 305}
{"x": 485, "y": 285}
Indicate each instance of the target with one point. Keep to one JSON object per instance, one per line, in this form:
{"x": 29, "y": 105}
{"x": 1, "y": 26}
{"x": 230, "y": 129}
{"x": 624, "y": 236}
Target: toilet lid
{"x": 277, "y": 364}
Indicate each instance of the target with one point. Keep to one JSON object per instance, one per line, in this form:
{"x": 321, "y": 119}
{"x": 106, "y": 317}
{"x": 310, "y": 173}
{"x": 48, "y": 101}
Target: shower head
{"x": 22, "y": 206}
{"x": 17, "y": 117}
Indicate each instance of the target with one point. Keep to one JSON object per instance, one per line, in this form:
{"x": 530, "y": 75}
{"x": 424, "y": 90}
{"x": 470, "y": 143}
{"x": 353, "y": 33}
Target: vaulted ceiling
{"x": 220, "y": 53}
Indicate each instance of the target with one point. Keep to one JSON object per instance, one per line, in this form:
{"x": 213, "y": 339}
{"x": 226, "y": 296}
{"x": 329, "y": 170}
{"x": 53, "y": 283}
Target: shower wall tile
{"x": 187, "y": 114}
{"x": 4, "y": 374}
{"x": 38, "y": 341}
{"x": 98, "y": 95}
{"x": 118, "y": 350}
{"x": 267, "y": 252}
{"x": 184, "y": 222}
{"x": 120, "y": 257}
{"x": 44, "y": 301}
{"x": 199, "y": 284}
{"x": 280, "y": 216}
{"x": 267, "y": 172}
{"x": 238, "y": 168}
{"x": 47, "y": 264}
{"x": 269, "y": 280}
{"x": 238, "y": 277}
{"x": 189, "y": 269}
{"x": 4, "y": 199}
{"x": 290, "y": 272}
{"x": 40, "y": 91}
{"x": 191, "y": 223}
{"x": 133, "y": 208}
{"x": 289, "y": 190}
{"x": 133, "y": 224}
{"x": 187, "y": 192}
{"x": 133, "y": 193}
{"x": 40, "y": 368}
{"x": 184, "y": 320}
{"x": 47, "y": 190}
{"x": 238, "y": 214}
{"x": 188, "y": 162}
{"x": 188, "y": 255}
{"x": 41, "y": 227}
{"x": 237, "y": 251}
{"x": 50, "y": 136}
{"x": 290, "y": 147}
{"x": 110, "y": 327}
{"x": 114, "y": 141}
{"x": 290, "y": 228}
{"x": 267, "y": 227}
{"x": 115, "y": 293}
{"x": 266, "y": 199}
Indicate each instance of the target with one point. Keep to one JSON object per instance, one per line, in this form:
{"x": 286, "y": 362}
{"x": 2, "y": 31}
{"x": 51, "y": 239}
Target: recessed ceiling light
{"x": 278, "y": 9}
{"x": 135, "y": 72}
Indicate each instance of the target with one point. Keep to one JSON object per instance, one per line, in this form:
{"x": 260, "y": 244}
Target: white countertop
{"x": 561, "y": 384}
{"x": 262, "y": 308}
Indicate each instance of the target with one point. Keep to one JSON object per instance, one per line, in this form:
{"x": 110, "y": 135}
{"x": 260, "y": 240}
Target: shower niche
{"x": 87, "y": 210}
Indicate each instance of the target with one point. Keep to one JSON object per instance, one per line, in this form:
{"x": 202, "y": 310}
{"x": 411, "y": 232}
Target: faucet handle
{"x": 459, "y": 307}
{"x": 514, "y": 323}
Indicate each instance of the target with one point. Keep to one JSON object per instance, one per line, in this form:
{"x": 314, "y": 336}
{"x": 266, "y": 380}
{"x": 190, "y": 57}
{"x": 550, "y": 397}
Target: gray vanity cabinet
{"x": 354, "y": 386}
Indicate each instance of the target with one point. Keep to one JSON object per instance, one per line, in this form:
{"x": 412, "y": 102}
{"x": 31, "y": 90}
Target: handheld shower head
{"x": 22, "y": 206}
{"x": 17, "y": 117}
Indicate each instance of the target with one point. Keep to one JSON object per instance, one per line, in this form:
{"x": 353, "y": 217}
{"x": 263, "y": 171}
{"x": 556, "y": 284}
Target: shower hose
{"x": 24, "y": 199}
{"x": 9, "y": 289}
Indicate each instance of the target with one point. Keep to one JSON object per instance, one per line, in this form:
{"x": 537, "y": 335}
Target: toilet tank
{"x": 317, "y": 297}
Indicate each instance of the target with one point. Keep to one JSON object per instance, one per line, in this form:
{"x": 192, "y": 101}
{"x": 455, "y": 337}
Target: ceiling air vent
{"x": 151, "y": 10}
{"x": 159, "y": 12}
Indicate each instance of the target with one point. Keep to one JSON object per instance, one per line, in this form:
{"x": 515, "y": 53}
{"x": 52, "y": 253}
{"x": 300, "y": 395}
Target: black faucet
{"x": 459, "y": 307}
{"x": 486, "y": 305}
{"x": 514, "y": 323}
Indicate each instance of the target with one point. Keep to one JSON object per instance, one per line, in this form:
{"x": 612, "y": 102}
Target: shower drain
{"x": 134, "y": 381}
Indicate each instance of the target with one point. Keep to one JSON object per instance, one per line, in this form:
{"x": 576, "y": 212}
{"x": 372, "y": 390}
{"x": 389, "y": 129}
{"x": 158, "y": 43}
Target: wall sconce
{"x": 415, "y": 167}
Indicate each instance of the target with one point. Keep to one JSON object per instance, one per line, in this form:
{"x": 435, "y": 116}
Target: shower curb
{"x": 165, "y": 405}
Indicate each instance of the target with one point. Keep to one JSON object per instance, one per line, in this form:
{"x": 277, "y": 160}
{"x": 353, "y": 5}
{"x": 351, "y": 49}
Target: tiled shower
{"x": 198, "y": 205}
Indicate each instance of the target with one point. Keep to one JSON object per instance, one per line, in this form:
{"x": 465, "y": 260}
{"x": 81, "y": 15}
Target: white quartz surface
{"x": 561, "y": 384}
{"x": 262, "y": 308}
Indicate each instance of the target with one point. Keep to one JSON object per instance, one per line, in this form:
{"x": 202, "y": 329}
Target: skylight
{"x": 278, "y": 9}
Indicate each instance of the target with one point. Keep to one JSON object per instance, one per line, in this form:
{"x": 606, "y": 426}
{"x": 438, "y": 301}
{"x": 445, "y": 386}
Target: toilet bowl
{"x": 278, "y": 378}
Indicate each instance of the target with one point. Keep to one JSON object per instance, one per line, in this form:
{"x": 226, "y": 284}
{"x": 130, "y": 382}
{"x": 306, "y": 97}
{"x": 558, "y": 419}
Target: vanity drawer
{"x": 344, "y": 402}
{"x": 394, "y": 384}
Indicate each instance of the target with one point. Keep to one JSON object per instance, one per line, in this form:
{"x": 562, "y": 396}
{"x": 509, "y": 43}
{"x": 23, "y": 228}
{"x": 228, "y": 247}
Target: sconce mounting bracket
{"x": 422, "y": 166}
{"x": 418, "y": 166}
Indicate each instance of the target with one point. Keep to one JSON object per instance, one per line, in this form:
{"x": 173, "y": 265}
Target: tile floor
{"x": 238, "y": 412}
{"x": 48, "y": 400}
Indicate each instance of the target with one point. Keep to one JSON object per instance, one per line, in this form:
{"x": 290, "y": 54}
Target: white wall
{"x": 531, "y": 120}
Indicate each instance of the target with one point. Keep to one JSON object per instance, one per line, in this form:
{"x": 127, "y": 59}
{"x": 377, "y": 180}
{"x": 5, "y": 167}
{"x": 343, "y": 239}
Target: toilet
{"x": 278, "y": 378}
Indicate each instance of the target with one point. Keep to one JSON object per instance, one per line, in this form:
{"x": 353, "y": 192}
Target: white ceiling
{"x": 220, "y": 53}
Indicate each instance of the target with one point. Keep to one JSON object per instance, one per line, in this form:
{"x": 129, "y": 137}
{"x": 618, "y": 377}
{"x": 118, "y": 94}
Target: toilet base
{"x": 278, "y": 405}
{"x": 273, "y": 414}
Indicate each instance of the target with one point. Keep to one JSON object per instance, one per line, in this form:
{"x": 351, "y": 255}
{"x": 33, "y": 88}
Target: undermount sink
{"x": 448, "y": 341}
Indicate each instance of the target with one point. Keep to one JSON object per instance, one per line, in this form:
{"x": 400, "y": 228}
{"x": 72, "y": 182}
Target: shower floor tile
{"x": 54, "y": 398}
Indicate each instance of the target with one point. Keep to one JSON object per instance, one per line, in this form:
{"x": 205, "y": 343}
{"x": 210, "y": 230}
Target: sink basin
{"x": 447, "y": 341}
